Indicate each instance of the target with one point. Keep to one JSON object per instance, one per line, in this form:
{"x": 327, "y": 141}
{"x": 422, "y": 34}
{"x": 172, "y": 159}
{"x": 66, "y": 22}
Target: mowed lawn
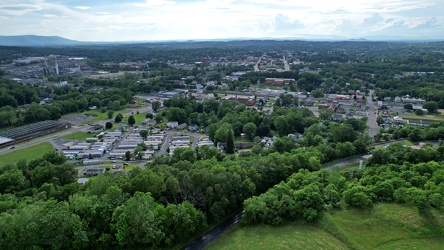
{"x": 28, "y": 154}
{"x": 432, "y": 117}
{"x": 277, "y": 237}
{"x": 385, "y": 226}
{"x": 138, "y": 117}
{"x": 79, "y": 136}
{"x": 100, "y": 116}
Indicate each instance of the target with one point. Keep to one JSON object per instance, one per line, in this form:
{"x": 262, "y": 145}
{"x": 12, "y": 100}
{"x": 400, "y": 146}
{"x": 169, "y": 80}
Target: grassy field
{"x": 138, "y": 117}
{"x": 79, "y": 136}
{"x": 29, "y": 153}
{"x": 385, "y": 226}
{"x": 278, "y": 237}
{"x": 433, "y": 117}
{"x": 99, "y": 115}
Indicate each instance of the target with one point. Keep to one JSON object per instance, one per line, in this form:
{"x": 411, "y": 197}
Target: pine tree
{"x": 230, "y": 142}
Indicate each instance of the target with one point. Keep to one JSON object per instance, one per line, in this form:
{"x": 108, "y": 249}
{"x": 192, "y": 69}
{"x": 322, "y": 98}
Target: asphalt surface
{"x": 372, "y": 124}
{"x": 214, "y": 233}
{"x": 256, "y": 66}
{"x": 286, "y": 65}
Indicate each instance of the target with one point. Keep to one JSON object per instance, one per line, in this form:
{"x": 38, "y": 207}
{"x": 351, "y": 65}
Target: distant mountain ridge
{"x": 51, "y": 41}
{"x": 37, "y": 41}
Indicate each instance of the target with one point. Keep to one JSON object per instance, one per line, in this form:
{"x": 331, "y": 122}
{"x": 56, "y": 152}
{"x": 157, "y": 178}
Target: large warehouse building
{"x": 28, "y": 132}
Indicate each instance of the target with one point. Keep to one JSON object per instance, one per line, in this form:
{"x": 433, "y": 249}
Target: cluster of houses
{"x": 176, "y": 125}
{"x": 155, "y": 140}
{"x": 129, "y": 143}
{"x": 181, "y": 141}
{"x": 86, "y": 150}
{"x": 344, "y": 106}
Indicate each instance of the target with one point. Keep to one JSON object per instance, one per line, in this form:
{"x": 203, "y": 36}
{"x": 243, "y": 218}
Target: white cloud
{"x": 82, "y": 7}
{"x": 167, "y": 19}
{"x": 18, "y": 9}
{"x": 155, "y": 3}
{"x": 50, "y": 15}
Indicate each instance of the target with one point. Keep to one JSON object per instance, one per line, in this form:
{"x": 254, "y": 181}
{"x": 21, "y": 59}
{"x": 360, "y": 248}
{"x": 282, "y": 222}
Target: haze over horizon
{"x": 151, "y": 20}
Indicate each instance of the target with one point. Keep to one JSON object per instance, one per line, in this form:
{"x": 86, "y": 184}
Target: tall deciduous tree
{"x": 250, "y": 130}
{"x": 131, "y": 120}
{"x": 431, "y": 106}
{"x": 155, "y": 105}
{"x": 118, "y": 118}
{"x": 110, "y": 114}
{"x": 108, "y": 125}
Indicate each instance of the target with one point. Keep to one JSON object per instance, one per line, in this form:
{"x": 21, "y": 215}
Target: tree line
{"x": 394, "y": 174}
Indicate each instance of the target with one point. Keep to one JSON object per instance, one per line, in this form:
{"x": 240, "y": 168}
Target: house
{"x": 82, "y": 181}
{"x": 181, "y": 126}
{"x": 193, "y": 127}
{"x": 149, "y": 122}
{"x": 94, "y": 171}
{"x": 238, "y": 145}
{"x": 407, "y": 99}
{"x": 337, "y": 117}
{"x": 250, "y": 102}
{"x": 172, "y": 124}
{"x": 91, "y": 162}
{"x": 132, "y": 104}
{"x": 323, "y": 106}
{"x": 279, "y": 81}
{"x": 296, "y": 135}
{"x": 397, "y": 119}
{"x": 169, "y": 94}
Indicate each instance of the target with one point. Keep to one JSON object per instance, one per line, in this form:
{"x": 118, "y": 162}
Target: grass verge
{"x": 79, "y": 136}
{"x": 384, "y": 226}
{"x": 278, "y": 237}
{"x": 28, "y": 154}
{"x": 432, "y": 117}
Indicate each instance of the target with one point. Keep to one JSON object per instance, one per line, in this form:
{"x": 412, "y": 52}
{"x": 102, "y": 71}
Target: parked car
{"x": 12, "y": 147}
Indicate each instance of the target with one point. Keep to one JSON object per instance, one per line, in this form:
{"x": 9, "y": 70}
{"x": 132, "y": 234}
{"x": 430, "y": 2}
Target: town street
{"x": 372, "y": 124}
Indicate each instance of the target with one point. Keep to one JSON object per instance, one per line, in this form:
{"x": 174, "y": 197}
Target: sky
{"x": 154, "y": 20}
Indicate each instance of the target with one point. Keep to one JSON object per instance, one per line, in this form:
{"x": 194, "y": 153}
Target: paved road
{"x": 256, "y": 66}
{"x": 213, "y": 234}
{"x": 348, "y": 161}
{"x": 170, "y": 135}
{"x": 286, "y": 66}
{"x": 372, "y": 124}
{"x": 165, "y": 144}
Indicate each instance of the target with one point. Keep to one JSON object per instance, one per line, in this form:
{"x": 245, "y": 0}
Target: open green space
{"x": 28, "y": 154}
{"x": 407, "y": 143}
{"x": 266, "y": 86}
{"x": 431, "y": 117}
{"x": 99, "y": 115}
{"x": 79, "y": 136}
{"x": 138, "y": 117}
{"x": 385, "y": 226}
{"x": 278, "y": 237}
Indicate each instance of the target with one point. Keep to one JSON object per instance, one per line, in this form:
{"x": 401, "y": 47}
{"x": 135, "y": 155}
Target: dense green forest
{"x": 404, "y": 175}
{"x": 179, "y": 196}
